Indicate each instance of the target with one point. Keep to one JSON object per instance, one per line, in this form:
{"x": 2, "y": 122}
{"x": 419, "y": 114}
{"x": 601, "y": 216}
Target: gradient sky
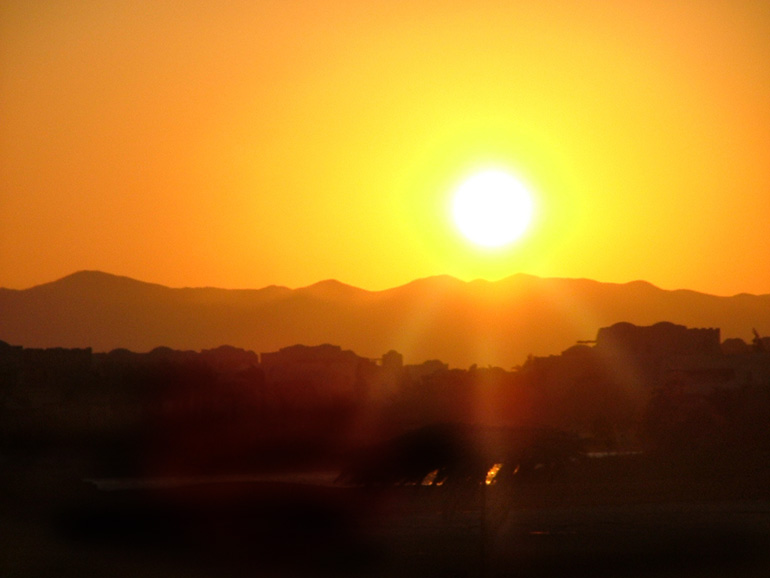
{"x": 243, "y": 144}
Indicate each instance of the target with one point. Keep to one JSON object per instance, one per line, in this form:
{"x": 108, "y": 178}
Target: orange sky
{"x": 242, "y": 144}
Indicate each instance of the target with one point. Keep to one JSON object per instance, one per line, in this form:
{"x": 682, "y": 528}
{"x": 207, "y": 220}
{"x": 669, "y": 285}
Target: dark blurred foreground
{"x": 223, "y": 463}
{"x": 419, "y": 505}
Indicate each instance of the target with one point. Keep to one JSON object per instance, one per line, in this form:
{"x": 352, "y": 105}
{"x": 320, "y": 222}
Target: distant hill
{"x": 488, "y": 323}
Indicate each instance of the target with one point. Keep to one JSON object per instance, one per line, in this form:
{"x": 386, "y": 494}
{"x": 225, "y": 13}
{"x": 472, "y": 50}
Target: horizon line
{"x": 330, "y": 280}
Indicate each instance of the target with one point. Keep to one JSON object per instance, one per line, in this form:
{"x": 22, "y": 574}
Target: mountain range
{"x": 487, "y": 323}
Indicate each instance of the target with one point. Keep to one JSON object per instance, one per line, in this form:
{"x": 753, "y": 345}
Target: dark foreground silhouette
{"x": 650, "y": 457}
{"x": 421, "y": 504}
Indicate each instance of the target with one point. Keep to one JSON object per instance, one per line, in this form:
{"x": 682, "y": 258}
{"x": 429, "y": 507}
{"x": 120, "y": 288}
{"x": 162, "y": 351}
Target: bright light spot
{"x": 430, "y": 478}
{"x": 492, "y": 473}
{"x": 492, "y": 208}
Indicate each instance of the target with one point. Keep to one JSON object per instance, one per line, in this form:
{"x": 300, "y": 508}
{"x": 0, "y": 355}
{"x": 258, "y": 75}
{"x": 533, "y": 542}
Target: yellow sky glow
{"x": 242, "y": 144}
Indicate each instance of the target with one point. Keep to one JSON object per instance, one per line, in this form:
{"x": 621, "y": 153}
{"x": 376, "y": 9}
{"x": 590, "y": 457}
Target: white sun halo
{"x": 492, "y": 208}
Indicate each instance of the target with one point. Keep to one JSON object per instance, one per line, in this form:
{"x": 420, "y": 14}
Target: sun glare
{"x": 492, "y": 208}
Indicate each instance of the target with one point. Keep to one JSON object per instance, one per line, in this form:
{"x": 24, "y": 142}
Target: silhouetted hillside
{"x": 481, "y": 322}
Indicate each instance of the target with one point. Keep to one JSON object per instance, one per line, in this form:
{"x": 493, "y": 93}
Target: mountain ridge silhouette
{"x": 459, "y": 322}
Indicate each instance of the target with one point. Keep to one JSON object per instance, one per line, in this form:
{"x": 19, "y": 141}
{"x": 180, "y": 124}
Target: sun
{"x": 492, "y": 208}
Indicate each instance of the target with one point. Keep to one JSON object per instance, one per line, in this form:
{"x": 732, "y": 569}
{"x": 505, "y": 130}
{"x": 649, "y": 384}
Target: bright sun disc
{"x": 492, "y": 208}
